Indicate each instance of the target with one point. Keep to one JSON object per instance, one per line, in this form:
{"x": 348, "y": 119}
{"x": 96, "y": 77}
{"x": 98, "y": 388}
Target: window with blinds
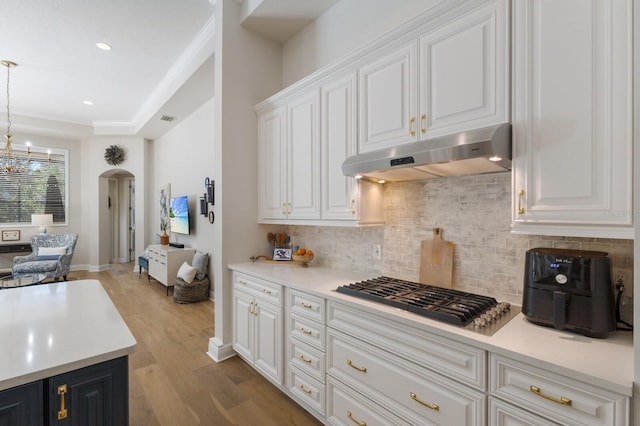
{"x": 37, "y": 185}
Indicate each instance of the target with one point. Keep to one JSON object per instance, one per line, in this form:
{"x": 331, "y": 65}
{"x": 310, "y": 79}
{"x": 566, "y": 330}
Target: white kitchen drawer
{"x": 407, "y": 390}
{"x": 518, "y": 383}
{"x": 307, "y": 305}
{"x": 308, "y": 359}
{"x": 261, "y": 289}
{"x": 503, "y": 414}
{"x": 308, "y": 331}
{"x": 455, "y": 360}
{"x": 308, "y": 390}
{"x": 345, "y": 407}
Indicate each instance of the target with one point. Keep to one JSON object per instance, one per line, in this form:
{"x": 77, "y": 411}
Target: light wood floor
{"x": 172, "y": 381}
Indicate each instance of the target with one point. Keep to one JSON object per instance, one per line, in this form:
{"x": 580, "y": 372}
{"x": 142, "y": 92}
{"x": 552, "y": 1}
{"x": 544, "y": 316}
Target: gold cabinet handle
{"x": 307, "y": 391}
{"x": 423, "y": 129}
{"x": 305, "y": 331}
{"x": 353, "y": 206}
{"x": 308, "y": 361}
{"x": 255, "y": 308}
{"x": 62, "y": 414}
{"x": 360, "y": 369}
{"x": 358, "y": 422}
{"x": 242, "y": 282}
{"x": 412, "y": 121}
{"x": 251, "y": 308}
{"x": 561, "y": 401}
{"x": 284, "y": 208}
{"x": 304, "y": 305}
{"x": 434, "y": 407}
{"x": 266, "y": 291}
{"x": 520, "y": 195}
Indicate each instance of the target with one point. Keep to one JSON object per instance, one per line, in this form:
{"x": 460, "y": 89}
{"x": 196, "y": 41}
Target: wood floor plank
{"x": 172, "y": 380}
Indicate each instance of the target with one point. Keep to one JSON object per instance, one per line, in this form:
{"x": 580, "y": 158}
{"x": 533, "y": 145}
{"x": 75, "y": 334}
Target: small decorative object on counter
{"x": 303, "y": 255}
{"x": 278, "y": 240}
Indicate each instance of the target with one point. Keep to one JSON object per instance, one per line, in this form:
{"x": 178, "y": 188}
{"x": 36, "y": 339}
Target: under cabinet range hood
{"x": 486, "y": 150}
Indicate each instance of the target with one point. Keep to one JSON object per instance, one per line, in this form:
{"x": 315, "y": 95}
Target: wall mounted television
{"x": 179, "y": 215}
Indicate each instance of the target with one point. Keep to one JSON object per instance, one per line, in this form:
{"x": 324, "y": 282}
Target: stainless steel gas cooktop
{"x": 474, "y": 312}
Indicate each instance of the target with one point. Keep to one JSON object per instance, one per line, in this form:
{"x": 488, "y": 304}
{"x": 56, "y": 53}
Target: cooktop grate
{"x": 447, "y": 305}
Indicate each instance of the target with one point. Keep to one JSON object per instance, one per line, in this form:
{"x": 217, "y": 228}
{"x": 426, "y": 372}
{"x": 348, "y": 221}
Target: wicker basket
{"x": 196, "y": 291}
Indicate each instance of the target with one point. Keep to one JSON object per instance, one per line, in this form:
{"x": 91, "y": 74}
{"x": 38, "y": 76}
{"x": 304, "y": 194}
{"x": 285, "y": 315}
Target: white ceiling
{"x": 161, "y": 50}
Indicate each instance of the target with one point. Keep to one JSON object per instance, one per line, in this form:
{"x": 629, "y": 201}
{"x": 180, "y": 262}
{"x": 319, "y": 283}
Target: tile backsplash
{"x": 475, "y": 214}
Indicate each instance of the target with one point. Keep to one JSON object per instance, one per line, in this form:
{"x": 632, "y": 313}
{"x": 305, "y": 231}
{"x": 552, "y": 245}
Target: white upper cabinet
{"x": 572, "y": 95}
{"x": 344, "y": 198}
{"x": 303, "y": 135}
{"x": 454, "y": 77}
{"x": 271, "y": 164}
{"x": 289, "y": 159}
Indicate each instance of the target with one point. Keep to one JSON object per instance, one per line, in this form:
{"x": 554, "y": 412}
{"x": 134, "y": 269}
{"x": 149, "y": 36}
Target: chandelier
{"x": 8, "y": 159}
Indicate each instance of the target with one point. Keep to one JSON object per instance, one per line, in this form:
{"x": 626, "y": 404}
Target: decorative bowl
{"x": 302, "y": 258}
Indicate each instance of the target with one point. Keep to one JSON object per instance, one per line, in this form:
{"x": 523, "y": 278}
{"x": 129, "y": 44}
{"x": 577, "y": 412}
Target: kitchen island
{"x": 523, "y": 371}
{"x": 64, "y": 332}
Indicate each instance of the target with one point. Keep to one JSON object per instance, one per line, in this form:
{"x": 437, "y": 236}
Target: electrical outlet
{"x": 377, "y": 251}
{"x": 623, "y": 276}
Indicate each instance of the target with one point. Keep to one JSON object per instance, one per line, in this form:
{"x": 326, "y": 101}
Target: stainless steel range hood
{"x": 486, "y": 150}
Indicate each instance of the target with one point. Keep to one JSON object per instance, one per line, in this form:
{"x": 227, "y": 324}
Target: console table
{"x": 7, "y": 252}
{"x": 164, "y": 262}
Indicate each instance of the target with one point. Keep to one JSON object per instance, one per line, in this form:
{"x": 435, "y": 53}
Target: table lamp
{"x": 42, "y": 220}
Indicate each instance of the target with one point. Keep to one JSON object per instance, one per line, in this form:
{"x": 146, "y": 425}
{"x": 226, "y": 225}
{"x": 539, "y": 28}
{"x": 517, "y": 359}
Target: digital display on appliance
{"x": 179, "y": 215}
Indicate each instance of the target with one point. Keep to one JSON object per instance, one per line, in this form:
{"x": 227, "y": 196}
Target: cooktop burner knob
{"x": 479, "y": 322}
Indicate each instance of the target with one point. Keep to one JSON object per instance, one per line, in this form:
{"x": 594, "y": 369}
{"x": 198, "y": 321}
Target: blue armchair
{"x": 51, "y": 255}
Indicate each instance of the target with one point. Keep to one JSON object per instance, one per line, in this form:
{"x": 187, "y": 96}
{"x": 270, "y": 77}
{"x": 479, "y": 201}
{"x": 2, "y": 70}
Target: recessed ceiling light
{"x": 103, "y": 46}
{"x": 87, "y": 103}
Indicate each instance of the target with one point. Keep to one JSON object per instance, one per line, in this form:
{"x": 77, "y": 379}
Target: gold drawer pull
{"x": 266, "y": 291}
{"x": 361, "y": 369}
{"x": 422, "y": 128}
{"x": 355, "y": 420}
{"x": 62, "y": 390}
{"x": 561, "y": 401}
{"x": 412, "y": 121}
{"x": 304, "y": 305}
{"x": 434, "y": 407}
{"x": 520, "y": 195}
{"x": 308, "y": 361}
{"x": 307, "y": 391}
{"x": 305, "y": 331}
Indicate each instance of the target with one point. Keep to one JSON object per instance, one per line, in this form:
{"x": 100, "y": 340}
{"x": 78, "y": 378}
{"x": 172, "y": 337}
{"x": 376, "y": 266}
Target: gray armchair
{"x": 52, "y": 265}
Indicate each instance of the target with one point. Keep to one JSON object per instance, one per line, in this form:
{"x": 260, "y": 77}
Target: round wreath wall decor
{"x": 114, "y": 155}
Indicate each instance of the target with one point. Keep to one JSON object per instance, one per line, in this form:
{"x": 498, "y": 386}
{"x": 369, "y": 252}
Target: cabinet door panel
{"x": 269, "y": 345}
{"x": 387, "y": 99}
{"x": 95, "y": 395}
{"x": 272, "y": 164}
{"x": 464, "y": 76}
{"x": 22, "y": 405}
{"x": 304, "y": 164}
{"x": 572, "y": 113}
{"x": 339, "y": 142}
{"x": 242, "y": 324}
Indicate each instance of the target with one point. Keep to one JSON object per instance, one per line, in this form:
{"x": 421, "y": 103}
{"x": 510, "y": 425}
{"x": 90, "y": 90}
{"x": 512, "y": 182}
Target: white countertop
{"x": 50, "y": 329}
{"x": 607, "y": 363}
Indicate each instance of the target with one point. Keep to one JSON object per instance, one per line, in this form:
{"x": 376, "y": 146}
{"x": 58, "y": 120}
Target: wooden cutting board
{"x": 436, "y": 261}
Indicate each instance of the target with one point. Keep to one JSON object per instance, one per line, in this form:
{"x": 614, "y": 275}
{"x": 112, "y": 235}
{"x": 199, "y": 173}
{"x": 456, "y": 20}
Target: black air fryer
{"x": 569, "y": 290}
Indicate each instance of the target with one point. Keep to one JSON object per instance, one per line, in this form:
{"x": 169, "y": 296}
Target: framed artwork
{"x": 281, "y": 254}
{"x": 10, "y": 235}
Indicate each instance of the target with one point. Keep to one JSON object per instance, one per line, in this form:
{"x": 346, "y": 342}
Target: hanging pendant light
{"x": 7, "y": 157}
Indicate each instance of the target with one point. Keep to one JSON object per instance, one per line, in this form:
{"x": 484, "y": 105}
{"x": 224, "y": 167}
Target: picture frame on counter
{"x": 281, "y": 254}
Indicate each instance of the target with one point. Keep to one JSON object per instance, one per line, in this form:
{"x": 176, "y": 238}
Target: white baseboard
{"x": 219, "y": 351}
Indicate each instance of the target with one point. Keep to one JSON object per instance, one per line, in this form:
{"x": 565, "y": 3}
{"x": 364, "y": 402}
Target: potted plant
{"x": 164, "y": 238}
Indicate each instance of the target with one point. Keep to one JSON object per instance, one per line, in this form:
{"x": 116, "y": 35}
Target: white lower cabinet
{"x": 405, "y": 389}
{"x": 306, "y": 350}
{"x": 257, "y": 325}
{"x": 503, "y": 414}
{"x": 558, "y": 398}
